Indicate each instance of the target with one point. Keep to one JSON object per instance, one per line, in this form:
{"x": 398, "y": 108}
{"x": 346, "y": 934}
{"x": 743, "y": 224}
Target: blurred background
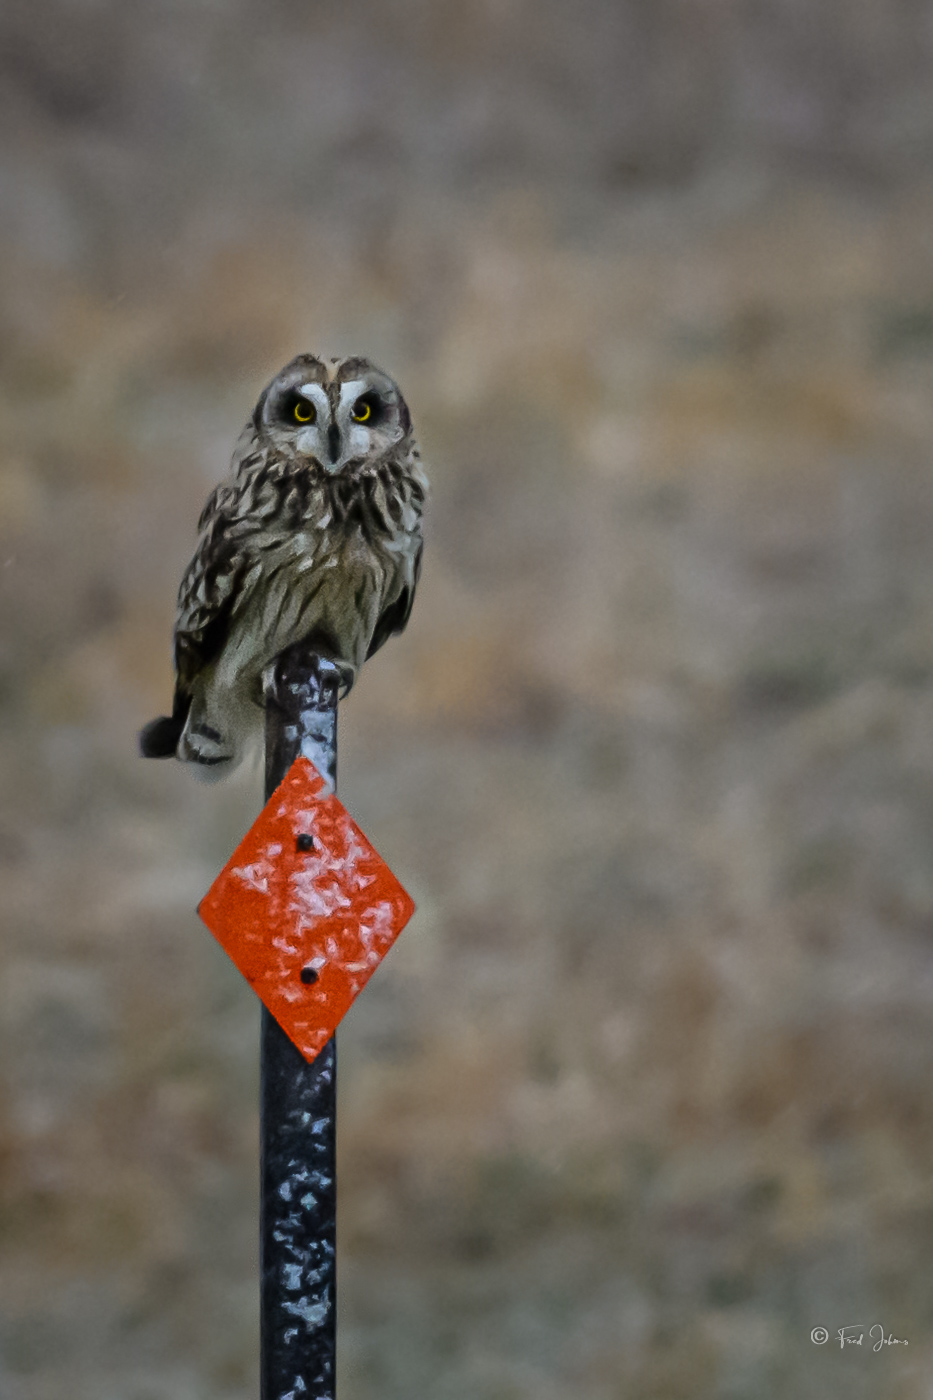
{"x": 641, "y": 1096}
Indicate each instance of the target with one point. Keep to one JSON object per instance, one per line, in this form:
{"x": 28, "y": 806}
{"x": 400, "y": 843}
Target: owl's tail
{"x": 159, "y": 738}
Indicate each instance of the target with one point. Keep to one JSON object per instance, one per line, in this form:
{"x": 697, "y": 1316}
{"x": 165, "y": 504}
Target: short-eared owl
{"x": 317, "y": 532}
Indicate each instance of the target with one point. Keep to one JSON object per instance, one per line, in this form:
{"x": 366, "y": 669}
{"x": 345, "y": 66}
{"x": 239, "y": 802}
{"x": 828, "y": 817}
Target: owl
{"x": 316, "y": 533}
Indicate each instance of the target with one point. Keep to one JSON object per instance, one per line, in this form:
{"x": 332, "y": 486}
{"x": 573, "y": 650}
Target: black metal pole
{"x": 298, "y": 1121}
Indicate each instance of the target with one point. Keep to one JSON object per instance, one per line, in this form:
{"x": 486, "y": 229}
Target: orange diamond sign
{"x": 306, "y": 908}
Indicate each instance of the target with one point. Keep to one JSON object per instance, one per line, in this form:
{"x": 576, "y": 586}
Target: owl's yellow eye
{"x": 362, "y": 410}
{"x": 304, "y": 412}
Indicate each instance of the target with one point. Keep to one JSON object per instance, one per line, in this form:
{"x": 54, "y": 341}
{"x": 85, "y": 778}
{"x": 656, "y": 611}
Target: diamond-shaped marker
{"x": 306, "y": 908}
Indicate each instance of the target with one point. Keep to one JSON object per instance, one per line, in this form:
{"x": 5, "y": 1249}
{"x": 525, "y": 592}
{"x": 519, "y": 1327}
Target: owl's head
{"x": 339, "y": 414}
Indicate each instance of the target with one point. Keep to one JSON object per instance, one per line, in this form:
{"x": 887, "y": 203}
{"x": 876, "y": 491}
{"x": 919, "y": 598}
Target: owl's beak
{"x": 333, "y": 443}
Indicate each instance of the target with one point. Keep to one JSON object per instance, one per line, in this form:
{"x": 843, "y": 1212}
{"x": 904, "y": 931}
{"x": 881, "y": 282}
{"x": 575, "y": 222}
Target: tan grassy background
{"x": 642, "y": 1096}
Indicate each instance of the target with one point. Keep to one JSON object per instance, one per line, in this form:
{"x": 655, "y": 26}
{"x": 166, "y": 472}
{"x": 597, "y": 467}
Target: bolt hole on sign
{"x": 306, "y": 908}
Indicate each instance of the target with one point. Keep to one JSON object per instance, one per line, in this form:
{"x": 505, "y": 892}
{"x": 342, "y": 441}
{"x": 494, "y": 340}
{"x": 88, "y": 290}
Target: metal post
{"x": 298, "y": 1294}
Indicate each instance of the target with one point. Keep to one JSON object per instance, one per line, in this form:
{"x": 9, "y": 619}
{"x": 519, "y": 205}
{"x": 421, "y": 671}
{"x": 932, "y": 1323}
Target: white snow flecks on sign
{"x": 256, "y": 875}
{"x": 311, "y": 898}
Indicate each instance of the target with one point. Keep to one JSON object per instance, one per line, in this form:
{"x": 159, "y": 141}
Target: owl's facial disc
{"x": 335, "y": 424}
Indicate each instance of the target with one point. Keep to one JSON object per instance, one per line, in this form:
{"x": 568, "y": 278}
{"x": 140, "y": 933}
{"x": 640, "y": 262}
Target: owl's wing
{"x": 215, "y": 585}
{"x": 394, "y": 618}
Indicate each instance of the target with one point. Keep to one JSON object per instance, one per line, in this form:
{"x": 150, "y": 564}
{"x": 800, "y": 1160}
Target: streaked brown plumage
{"x": 317, "y": 533}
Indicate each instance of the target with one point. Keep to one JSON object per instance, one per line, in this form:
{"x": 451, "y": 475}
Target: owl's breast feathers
{"x": 286, "y": 549}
